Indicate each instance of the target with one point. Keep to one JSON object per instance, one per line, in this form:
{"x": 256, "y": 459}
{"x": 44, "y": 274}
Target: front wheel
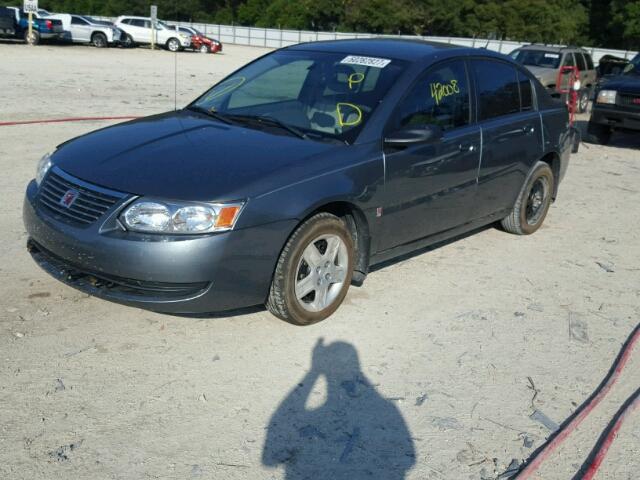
{"x": 173, "y": 45}
{"x": 128, "y": 42}
{"x": 204, "y": 49}
{"x": 533, "y": 202}
{"x": 599, "y": 133}
{"x": 583, "y": 101}
{"x": 313, "y": 272}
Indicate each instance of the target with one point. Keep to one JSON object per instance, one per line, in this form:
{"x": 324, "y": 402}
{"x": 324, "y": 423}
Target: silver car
{"x": 545, "y": 63}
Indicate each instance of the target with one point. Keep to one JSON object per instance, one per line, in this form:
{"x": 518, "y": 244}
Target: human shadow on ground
{"x": 355, "y": 434}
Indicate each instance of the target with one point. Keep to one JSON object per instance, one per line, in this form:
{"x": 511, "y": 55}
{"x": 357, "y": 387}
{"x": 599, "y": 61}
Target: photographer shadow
{"x": 355, "y": 434}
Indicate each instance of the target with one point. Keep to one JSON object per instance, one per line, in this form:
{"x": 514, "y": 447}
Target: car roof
{"x": 133, "y": 17}
{"x": 551, "y": 48}
{"x": 396, "y": 48}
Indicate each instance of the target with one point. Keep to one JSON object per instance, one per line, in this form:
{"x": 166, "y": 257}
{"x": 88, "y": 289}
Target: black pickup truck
{"x": 617, "y": 105}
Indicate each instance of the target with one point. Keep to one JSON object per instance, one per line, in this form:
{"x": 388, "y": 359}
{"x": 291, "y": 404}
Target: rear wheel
{"x": 173, "y": 45}
{"x": 533, "y": 202}
{"x": 599, "y": 133}
{"x": 99, "y": 40}
{"x": 583, "y": 101}
{"x": 33, "y": 39}
{"x": 313, "y": 272}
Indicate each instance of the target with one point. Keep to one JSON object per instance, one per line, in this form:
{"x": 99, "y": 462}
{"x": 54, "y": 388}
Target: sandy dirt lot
{"x": 431, "y": 370}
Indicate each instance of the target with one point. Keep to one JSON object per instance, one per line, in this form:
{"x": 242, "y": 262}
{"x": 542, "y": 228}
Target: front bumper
{"x": 187, "y": 274}
{"x": 620, "y": 118}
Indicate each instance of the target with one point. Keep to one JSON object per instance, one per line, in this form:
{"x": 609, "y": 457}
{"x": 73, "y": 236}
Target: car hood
{"x": 545, "y": 75}
{"x": 622, "y": 83}
{"x": 187, "y": 156}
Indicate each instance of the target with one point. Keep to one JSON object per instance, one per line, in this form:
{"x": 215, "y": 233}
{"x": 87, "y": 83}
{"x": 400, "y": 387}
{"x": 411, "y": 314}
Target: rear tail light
{"x": 49, "y": 24}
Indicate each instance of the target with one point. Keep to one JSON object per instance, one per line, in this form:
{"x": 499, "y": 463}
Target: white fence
{"x": 276, "y": 38}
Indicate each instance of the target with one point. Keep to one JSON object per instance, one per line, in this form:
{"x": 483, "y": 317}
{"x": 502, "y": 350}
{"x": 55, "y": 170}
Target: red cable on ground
{"x": 584, "y": 410}
{"x": 596, "y": 457}
{"x": 62, "y": 120}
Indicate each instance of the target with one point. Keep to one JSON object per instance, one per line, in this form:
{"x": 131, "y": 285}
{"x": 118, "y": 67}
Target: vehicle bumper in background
{"x": 616, "y": 117}
{"x": 188, "y": 274}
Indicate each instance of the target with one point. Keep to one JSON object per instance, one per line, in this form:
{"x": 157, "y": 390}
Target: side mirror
{"x": 410, "y": 135}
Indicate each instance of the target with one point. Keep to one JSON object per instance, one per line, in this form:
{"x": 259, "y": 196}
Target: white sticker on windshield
{"x": 366, "y": 61}
{"x": 551, "y": 55}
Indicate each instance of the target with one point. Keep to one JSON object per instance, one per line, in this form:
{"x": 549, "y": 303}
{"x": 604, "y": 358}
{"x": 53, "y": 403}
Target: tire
{"x": 204, "y": 49}
{"x": 34, "y": 39}
{"x": 600, "y": 134}
{"x": 533, "y": 202}
{"x": 583, "y": 101}
{"x": 328, "y": 272}
{"x": 128, "y": 41}
{"x": 99, "y": 40}
{"x": 173, "y": 45}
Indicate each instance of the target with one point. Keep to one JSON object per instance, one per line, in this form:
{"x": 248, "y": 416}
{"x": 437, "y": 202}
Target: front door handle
{"x": 529, "y": 130}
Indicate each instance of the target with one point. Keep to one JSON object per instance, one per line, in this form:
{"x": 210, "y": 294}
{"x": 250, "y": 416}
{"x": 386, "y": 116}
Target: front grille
{"x": 629, "y": 100}
{"x": 89, "y": 205}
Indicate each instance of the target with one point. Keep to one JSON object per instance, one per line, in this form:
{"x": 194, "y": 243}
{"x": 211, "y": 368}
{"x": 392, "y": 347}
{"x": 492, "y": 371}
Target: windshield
{"x": 634, "y": 67}
{"x": 320, "y": 94}
{"x": 537, "y": 58}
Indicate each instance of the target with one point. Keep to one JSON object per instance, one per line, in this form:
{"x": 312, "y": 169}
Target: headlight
{"x": 607, "y": 97}
{"x": 43, "y": 167}
{"x": 152, "y": 216}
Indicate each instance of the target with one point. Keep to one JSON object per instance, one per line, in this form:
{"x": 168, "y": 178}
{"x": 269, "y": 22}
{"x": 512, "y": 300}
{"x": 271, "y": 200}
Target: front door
{"x": 80, "y": 30}
{"x": 430, "y": 187}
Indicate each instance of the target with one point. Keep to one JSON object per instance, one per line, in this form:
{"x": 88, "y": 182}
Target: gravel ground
{"x": 432, "y": 370}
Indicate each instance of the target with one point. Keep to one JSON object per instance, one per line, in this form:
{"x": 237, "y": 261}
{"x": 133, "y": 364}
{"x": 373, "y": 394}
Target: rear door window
{"x": 568, "y": 60}
{"x": 440, "y": 97}
{"x": 526, "y": 92}
{"x": 497, "y": 89}
{"x": 589, "y": 61}
{"x": 580, "y": 62}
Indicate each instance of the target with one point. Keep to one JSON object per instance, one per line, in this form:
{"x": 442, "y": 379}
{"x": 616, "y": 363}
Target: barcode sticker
{"x": 366, "y": 61}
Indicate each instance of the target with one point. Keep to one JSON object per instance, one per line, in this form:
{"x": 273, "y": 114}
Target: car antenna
{"x": 175, "y": 62}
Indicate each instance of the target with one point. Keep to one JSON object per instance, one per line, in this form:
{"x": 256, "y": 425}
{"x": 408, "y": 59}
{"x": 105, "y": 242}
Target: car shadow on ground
{"x": 618, "y": 139}
{"x": 354, "y": 433}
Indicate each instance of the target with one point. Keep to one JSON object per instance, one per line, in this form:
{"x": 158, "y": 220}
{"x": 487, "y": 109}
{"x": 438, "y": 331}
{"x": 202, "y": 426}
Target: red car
{"x": 200, "y": 42}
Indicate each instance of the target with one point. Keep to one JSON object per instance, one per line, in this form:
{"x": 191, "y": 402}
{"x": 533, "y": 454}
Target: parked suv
{"x": 81, "y": 29}
{"x": 617, "y": 105}
{"x": 138, "y": 30}
{"x": 545, "y": 62}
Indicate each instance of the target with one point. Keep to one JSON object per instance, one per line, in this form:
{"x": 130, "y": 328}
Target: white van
{"x": 138, "y": 30}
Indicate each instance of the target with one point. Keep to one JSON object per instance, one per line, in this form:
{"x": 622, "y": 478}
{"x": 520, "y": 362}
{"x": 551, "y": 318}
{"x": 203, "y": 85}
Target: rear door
{"x": 431, "y": 187}
{"x": 511, "y": 133}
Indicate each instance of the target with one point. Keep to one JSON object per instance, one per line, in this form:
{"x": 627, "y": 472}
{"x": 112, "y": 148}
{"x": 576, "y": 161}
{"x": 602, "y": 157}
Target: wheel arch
{"x": 553, "y": 160}
{"x": 358, "y": 226}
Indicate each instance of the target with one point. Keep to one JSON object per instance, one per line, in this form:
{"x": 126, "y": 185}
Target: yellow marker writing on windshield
{"x": 354, "y": 79}
{"x": 355, "y": 109}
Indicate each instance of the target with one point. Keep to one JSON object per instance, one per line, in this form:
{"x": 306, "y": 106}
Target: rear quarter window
{"x": 589, "y": 60}
{"x": 497, "y": 89}
{"x": 581, "y": 63}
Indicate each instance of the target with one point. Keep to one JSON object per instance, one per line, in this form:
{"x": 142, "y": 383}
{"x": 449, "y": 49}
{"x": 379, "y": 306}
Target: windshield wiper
{"x": 275, "y": 122}
{"x": 211, "y": 113}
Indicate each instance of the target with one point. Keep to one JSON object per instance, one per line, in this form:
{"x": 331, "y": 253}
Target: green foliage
{"x": 610, "y": 23}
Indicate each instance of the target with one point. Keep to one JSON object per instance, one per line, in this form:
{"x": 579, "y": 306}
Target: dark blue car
{"x": 286, "y": 181}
